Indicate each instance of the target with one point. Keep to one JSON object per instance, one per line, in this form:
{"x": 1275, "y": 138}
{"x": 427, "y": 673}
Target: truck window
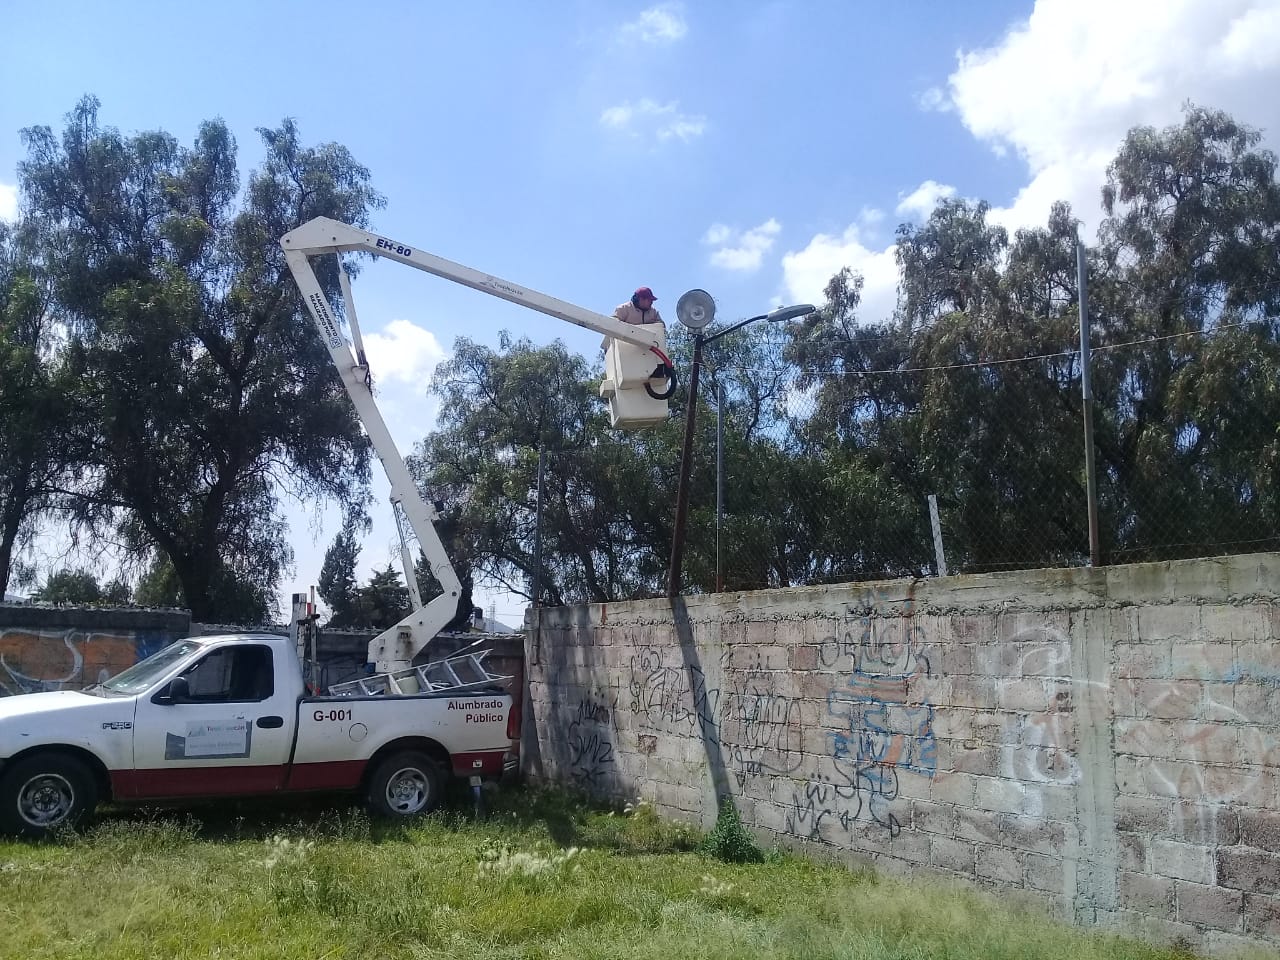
{"x": 144, "y": 673}
{"x": 239, "y": 674}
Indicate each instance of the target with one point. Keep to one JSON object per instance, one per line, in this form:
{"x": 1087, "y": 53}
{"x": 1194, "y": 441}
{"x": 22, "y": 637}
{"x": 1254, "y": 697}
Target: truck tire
{"x": 45, "y": 793}
{"x": 405, "y": 785}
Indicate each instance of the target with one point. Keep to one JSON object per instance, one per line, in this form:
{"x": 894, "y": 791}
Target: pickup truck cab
{"x": 227, "y": 716}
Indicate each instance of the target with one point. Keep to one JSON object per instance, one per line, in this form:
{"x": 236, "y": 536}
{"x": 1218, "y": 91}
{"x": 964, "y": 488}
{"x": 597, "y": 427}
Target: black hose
{"x": 662, "y": 371}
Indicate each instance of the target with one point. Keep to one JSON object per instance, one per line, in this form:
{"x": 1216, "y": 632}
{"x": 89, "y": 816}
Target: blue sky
{"x": 584, "y": 148}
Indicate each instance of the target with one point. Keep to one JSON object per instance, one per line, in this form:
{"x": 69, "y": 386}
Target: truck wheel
{"x": 405, "y": 785}
{"x": 40, "y": 794}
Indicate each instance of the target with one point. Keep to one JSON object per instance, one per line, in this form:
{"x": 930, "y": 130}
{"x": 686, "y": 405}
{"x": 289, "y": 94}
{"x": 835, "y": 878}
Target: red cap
{"x": 644, "y": 292}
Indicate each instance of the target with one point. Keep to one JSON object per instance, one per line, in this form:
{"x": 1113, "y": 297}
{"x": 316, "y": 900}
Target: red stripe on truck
{"x": 196, "y": 781}
{"x": 333, "y": 775}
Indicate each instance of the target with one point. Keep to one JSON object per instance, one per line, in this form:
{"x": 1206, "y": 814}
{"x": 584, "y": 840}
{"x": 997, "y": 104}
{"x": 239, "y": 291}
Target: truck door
{"x": 228, "y": 732}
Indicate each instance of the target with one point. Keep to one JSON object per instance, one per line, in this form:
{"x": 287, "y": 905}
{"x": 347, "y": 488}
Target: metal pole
{"x": 682, "y": 489}
{"x": 537, "y": 533}
{"x": 719, "y": 486}
{"x": 937, "y": 535}
{"x": 1091, "y": 484}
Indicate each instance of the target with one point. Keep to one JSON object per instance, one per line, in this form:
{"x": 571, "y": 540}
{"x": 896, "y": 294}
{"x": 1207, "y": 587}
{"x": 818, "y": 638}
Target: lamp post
{"x": 696, "y": 310}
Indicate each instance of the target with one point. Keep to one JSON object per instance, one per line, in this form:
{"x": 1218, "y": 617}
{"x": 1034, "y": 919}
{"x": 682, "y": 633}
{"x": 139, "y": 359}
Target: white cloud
{"x": 403, "y": 352}
{"x": 1061, "y": 89}
{"x": 741, "y": 252}
{"x": 921, "y": 202}
{"x": 663, "y": 23}
{"x": 8, "y": 202}
{"x": 807, "y": 272}
{"x": 648, "y": 118}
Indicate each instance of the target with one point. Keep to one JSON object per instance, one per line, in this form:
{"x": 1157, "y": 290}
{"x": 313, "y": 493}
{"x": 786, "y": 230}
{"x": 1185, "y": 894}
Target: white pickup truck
{"x": 225, "y": 716}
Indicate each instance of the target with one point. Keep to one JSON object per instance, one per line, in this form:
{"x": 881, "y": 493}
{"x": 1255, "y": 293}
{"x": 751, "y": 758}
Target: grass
{"x": 542, "y": 876}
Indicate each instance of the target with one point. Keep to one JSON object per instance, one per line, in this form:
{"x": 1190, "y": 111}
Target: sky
{"x": 583, "y": 149}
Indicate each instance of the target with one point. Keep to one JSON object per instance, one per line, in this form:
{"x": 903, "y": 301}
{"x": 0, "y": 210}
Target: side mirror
{"x": 179, "y": 690}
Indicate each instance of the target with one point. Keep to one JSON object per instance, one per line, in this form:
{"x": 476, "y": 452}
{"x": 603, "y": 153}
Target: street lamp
{"x": 696, "y": 310}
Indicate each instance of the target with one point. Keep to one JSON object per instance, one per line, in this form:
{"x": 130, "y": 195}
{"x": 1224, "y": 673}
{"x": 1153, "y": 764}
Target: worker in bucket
{"x": 639, "y": 309}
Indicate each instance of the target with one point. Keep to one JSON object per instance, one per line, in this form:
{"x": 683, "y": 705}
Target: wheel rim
{"x": 46, "y": 800}
{"x": 408, "y": 791}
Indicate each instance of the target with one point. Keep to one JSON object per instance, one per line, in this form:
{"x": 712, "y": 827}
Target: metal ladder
{"x": 462, "y": 671}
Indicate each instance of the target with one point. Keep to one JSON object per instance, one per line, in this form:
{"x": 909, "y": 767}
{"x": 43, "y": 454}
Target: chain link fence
{"x": 824, "y": 473}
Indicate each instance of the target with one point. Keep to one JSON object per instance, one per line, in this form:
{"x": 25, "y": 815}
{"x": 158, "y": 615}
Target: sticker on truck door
{"x": 209, "y": 740}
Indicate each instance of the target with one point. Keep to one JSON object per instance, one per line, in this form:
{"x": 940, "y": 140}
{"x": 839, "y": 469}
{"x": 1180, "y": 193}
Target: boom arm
{"x": 395, "y": 648}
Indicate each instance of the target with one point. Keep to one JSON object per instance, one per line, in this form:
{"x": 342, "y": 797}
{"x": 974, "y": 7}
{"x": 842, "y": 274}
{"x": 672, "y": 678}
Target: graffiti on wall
{"x": 32, "y": 661}
{"x": 754, "y": 726}
{"x": 881, "y": 726}
{"x": 590, "y": 739}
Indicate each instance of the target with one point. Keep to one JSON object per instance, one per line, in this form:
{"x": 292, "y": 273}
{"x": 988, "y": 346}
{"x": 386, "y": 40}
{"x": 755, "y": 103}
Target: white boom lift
{"x": 630, "y": 376}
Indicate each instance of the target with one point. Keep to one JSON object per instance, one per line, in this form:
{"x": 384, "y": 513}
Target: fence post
{"x": 537, "y": 535}
{"x": 719, "y": 485}
{"x": 1091, "y": 484}
{"x": 937, "y": 535}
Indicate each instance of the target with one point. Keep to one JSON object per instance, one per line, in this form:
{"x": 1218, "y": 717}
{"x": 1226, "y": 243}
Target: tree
{"x": 607, "y": 500}
{"x": 38, "y": 395}
{"x": 69, "y": 586}
{"x": 1188, "y": 447}
{"x": 209, "y": 392}
{"x": 384, "y": 601}
{"x": 159, "y": 586}
{"x": 337, "y": 582}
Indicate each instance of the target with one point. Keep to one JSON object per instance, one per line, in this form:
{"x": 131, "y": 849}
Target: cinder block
{"x": 1142, "y": 814}
{"x": 1258, "y": 661}
{"x": 1247, "y": 786}
{"x": 1001, "y": 796}
{"x": 911, "y": 846}
{"x": 1203, "y": 659}
{"x": 1033, "y": 835}
{"x": 936, "y": 818}
{"x": 1243, "y": 622}
{"x": 1145, "y": 893}
{"x": 977, "y": 825}
{"x": 1027, "y": 695}
{"x": 957, "y": 788}
{"x": 1260, "y": 828}
{"x": 1143, "y": 738}
{"x": 1262, "y": 915}
{"x": 957, "y": 855}
{"x": 1124, "y": 698}
{"x": 1216, "y": 704}
{"x": 1182, "y": 861}
{"x": 983, "y": 760}
{"x": 1250, "y": 870}
{"x": 1144, "y": 661}
{"x": 804, "y": 658}
{"x": 1205, "y": 742}
{"x": 974, "y": 692}
{"x": 1044, "y": 873}
{"x": 1169, "y": 699}
{"x": 1255, "y": 702}
{"x": 1133, "y": 852}
{"x": 951, "y": 659}
{"x": 1174, "y": 621}
{"x": 1050, "y": 802}
{"x": 1172, "y": 778}
{"x": 1206, "y": 823}
{"x": 999, "y": 865}
{"x": 1212, "y": 906}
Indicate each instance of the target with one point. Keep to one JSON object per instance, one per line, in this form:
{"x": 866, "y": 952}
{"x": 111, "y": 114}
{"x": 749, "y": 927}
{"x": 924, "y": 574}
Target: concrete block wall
{"x": 1103, "y": 741}
{"x": 57, "y": 648}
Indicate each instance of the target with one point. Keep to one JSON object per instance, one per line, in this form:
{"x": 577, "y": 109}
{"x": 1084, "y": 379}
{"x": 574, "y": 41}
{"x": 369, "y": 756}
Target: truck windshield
{"x": 144, "y": 673}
